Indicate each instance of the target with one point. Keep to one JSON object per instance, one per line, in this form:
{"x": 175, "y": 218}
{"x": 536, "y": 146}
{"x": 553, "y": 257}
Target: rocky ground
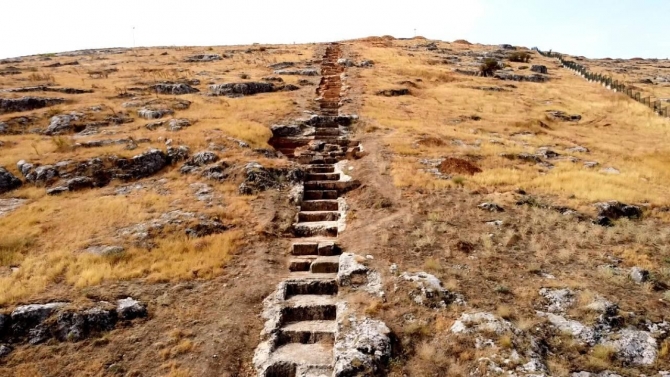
{"x": 513, "y": 216}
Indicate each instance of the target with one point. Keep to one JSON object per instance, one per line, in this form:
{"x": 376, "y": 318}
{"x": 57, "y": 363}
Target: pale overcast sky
{"x": 594, "y": 28}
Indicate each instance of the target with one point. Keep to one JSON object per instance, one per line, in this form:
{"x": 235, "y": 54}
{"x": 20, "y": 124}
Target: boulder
{"x": 38, "y": 175}
{"x": 615, "y": 210}
{"x": 279, "y": 130}
{"x": 60, "y": 124}
{"x": 176, "y": 154}
{"x": 148, "y": 113}
{"x": 241, "y": 89}
{"x": 203, "y": 158}
{"x": 142, "y": 165}
{"x": 178, "y": 124}
{"x": 301, "y": 72}
{"x": 57, "y": 190}
{"x": 634, "y": 347}
{"x": 562, "y": 116}
{"x": 258, "y": 178}
{"x": 478, "y": 322}
{"x": 345, "y": 62}
{"x": 427, "y": 289}
{"x": 79, "y": 183}
{"x": 27, "y": 321}
{"x": 203, "y": 58}
{"x": 509, "y": 75}
{"x": 574, "y": 328}
{"x": 639, "y": 275}
{"x": 491, "y": 207}
{"x": 75, "y": 326}
{"x": 8, "y": 181}
{"x": 173, "y": 89}
{"x": 539, "y": 69}
{"x": 129, "y": 308}
{"x": 10, "y": 105}
{"x": 281, "y": 65}
{"x": 350, "y": 270}
{"x": 559, "y": 300}
{"x": 362, "y": 348}
{"x": 5, "y": 350}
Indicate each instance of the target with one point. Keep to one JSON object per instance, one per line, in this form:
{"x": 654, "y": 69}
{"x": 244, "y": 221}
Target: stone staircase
{"x": 302, "y": 314}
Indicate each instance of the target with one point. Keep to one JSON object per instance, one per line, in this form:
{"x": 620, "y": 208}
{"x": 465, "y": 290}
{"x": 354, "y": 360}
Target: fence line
{"x": 609, "y": 83}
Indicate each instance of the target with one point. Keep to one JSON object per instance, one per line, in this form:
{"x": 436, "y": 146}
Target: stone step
{"x": 321, "y": 169}
{"x": 326, "y": 131}
{"x": 314, "y": 371}
{"x": 339, "y": 186}
{"x": 302, "y": 263}
{"x": 320, "y": 205}
{"x": 322, "y": 287}
{"x": 297, "y": 359}
{"x": 310, "y": 276}
{"x": 330, "y": 160}
{"x": 325, "y": 265}
{"x": 317, "y": 228}
{"x": 315, "y": 264}
{"x": 311, "y": 216}
{"x": 309, "y": 311}
{"x": 321, "y": 194}
{"x": 322, "y": 177}
{"x": 307, "y": 332}
{"x": 323, "y": 248}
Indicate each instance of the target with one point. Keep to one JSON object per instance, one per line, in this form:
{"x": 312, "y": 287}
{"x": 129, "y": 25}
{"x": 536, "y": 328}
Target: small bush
{"x": 519, "y": 57}
{"x": 41, "y": 77}
{"x": 488, "y": 67}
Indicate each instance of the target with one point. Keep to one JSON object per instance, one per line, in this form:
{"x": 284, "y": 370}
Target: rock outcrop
{"x": 8, "y": 181}
{"x": 10, "y": 105}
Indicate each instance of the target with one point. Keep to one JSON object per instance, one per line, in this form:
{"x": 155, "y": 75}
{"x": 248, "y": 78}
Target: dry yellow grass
{"x": 443, "y": 105}
{"x": 45, "y": 237}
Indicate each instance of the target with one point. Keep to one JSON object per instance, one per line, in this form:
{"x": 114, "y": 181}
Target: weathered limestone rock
{"x": 203, "y": 58}
{"x": 10, "y": 105}
{"x": 362, "y": 348}
{"x": 559, "y": 299}
{"x": 469, "y": 323}
{"x": 173, "y": 89}
{"x": 241, "y": 89}
{"x": 350, "y": 270}
{"x": 616, "y": 210}
{"x": 129, "y": 308}
{"x": 60, "y": 124}
{"x": 148, "y": 113}
{"x": 575, "y": 328}
{"x": 508, "y": 75}
{"x": 142, "y": 165}
{"x": 539, "y": 69}
{"x": 635, "y": 347}
{"x": 39, "y": 175}
{"x": 301, "y": 72}
{"x": 8, "y": 181}
{"x": 562, "y": 116}
{"x": 427, "y": 289}
{"x": 639, "y": 275}
{"x": 259, "y": 178}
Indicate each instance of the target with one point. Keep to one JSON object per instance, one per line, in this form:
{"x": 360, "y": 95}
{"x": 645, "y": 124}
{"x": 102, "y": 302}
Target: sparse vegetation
{"x": 520, "y": 57}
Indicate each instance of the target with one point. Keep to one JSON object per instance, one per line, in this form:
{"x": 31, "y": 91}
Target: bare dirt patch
{"x": 452, "y": 165}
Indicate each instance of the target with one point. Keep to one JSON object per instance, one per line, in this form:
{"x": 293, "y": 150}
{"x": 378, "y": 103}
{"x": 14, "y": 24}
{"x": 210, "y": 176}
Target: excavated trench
{"x": 302, "y": 316}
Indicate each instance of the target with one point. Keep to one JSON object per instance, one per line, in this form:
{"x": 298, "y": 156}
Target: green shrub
{"x": 488, "y": 67}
